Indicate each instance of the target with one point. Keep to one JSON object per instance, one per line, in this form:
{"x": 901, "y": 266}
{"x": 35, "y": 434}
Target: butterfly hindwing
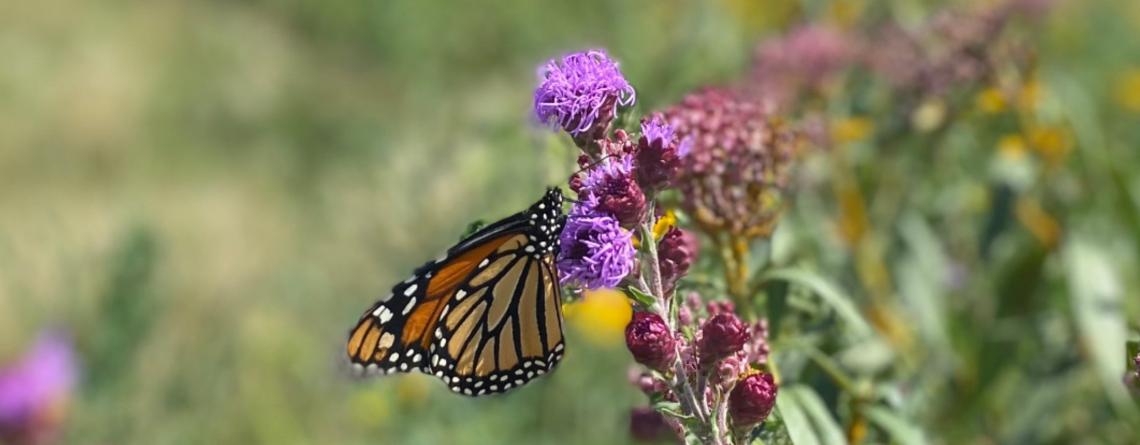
{"x": 487, "y": 314}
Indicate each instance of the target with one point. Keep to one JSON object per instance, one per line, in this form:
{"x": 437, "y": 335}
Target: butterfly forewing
{"x": 485, "y": 318}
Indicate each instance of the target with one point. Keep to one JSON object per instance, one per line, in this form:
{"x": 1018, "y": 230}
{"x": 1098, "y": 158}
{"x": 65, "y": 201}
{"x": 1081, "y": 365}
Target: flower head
{"x": 675, "y": 254}
{"x": 650, "y": 341}
{"x": 752, "y": 399}
{"x": 34, "y": 389}
{"x": 596, "y": 252}
{"x": 722, "y": 335}
{"x": 612, "y": 184}
{"x": 580, "y": 92}
{"x": 739, "y": 160}
{"x": 659, "y": 153}
{"x": 805, "y": 60}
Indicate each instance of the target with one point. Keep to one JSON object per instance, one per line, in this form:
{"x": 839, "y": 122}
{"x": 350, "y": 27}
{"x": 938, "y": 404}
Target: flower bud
{"x": 650, "y": 341}
{"x": 659, "y": 153}
{"x": 647, "y": 425}
{"x": 722, "y": 335}
{"x": 675, "y": 253}
{"x": 752, "y": 399}
{"x": 612, "y": 184}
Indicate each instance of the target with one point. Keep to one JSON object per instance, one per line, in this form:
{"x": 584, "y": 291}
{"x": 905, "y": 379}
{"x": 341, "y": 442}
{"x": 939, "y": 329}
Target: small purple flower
{"x": 596, "y": 252}
{"x": 659, "y": 153}
{"x": 612, "y": 184}
{"x": 650, "y": 341}
{"x": 581, "y": 91}
{"x": 722, "y": 335}
{"x": 752, "y": 399}
{"x": 34, "y": 389}
{"x": 675, "y": 254}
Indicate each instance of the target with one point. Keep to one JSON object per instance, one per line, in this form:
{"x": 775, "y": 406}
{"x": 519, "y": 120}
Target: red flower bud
{"x": 650, "y": 341}
{"x": 721, "y": 336}
{"x": 752, "y": 399}
{"x": 675, "y": 252}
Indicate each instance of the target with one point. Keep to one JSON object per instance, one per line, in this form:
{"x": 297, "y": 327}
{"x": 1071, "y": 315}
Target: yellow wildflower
{"x": 851, "y": 129}
{"x": 990, "y": 101}
{"x": 1128, "y": 90}
{"x": 601, "y": 315}
{"x": 1011, "y": 146}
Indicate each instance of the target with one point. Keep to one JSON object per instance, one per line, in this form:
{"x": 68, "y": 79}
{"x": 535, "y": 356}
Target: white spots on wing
{"x": 519, "y": 382}
{"x": 410, "y": 290}
{"x": 455, "y": 380}
{"x": 403, "y": 366}
{"x": 417, "y": 358}
{"x": 479, "y": 383}
{"x": 529, "y": 249}
{"x": 357, "y": 368}
{"x": 410, "y": 305}
{"x": 467, "y": 391}
{"x": 395, "y": 356}
{"x": 442, "y": 342}
{"x": 484, "y": 263}
{"x": 383, "y": 314}
{"x": 460, "y": 294}
{"x": 493, "y": 387}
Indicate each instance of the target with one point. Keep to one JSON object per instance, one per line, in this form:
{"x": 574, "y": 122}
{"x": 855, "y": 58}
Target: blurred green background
{"x": 207, "y": 194}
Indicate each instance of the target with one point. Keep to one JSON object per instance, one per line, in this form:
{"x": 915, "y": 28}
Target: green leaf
{"x": 777, "y": 305}
{"x": 640, "y": 297}
{"x": 1096, "y": 293}
{"x": 826, "y": 427}
{"x": 900, "y": 429}
{"x": 795, "y": 420}
{"x": 827, "y": 292}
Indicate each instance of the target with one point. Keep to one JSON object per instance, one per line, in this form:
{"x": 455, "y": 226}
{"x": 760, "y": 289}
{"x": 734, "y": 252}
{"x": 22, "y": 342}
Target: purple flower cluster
{"x": 34, "y": 389}
{"x": 581, "y": 92}
{"x": 806, "y": 60}
{"x": 739, "y": 161}
{"x": 596, "y": 252}
{"x": 722, "y": 351}
{"x": 612, "y": 184}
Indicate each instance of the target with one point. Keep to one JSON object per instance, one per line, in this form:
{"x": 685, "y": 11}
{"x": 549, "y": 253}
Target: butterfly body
{"x": 484, "y": 318}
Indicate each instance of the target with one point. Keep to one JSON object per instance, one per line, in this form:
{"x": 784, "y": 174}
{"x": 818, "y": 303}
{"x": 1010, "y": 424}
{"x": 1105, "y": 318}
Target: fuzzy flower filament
{"x": 596, "y": 252}
{"x": 580, "y": 92}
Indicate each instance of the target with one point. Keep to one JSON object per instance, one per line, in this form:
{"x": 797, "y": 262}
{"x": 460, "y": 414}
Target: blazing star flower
{"x": 659, "y": 153}
{"x": 34, "y": 389}
{"x": 752, "y": 399}
{"x": 580, "y": 93}
{"x": 650, "y": 341}
{"x": 740, "y": 159}
{"x": 596, "y": 252}
{"x": 612, "y": 184}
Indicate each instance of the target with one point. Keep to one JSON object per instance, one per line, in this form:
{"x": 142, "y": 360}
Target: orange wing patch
{"x": 442, "y": 286}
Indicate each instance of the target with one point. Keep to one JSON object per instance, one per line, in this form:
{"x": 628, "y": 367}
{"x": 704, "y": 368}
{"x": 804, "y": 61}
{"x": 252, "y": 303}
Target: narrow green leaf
{"x": 901, "y": 430}
{"x": 795, "y": 420}
{"x": 826, "y": 427}
{"x": 640, "y": 297}
{"x": 827, "y": 292}
{"x": 1096, "y": 293}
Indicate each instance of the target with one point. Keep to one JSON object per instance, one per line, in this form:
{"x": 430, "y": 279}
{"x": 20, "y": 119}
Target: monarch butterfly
{"x": 484, "y": 318}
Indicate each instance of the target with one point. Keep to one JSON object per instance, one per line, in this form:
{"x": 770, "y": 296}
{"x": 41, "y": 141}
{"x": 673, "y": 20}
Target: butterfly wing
{"x": 499, "y": 284}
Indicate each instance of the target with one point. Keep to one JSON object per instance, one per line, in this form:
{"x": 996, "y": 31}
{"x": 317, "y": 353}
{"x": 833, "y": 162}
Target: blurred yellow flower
{"x": 601, "y": 315}
{"x": 1035, "y": 219}
{"x": 1052, "y": 143}
{"x": 846, "y": 13}
{"x": 1029, "y": 96}
{"x": 1011, "y": 146}
{"x": 1128, "y": 90}
{"x": 990, "y": 101}
{"x": 662, "y": 225}
{"x": 851, "y": 129}
{"x": 852, "y": 224}
{"x": 754, "y": 15}
{"x": 929, "y": 115}
{"x": 411, "y": 390}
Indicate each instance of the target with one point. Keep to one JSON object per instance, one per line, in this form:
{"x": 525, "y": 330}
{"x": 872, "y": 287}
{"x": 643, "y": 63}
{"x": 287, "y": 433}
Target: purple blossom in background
{"x": 580, "y": 92}
{"x": 34, "y": 389}
{"x": 805, "y": 60}
{"x": 612, "y": 185}
{"x": 596, "y": 252}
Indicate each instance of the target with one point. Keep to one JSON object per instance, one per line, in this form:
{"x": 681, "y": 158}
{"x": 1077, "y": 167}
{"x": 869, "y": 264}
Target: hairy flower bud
{"x": 612, "y": 184}
{"x": 722, "y": 335}
{"x": 650, "y": 341}
{"x": 752, "y": 399}
{"x": 675, "y": 254}
{"x": 659, "y": 153}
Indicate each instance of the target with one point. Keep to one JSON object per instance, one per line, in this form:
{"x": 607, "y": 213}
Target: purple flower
{"x": 675, "y": 254}
{"x": 34, "y": 389}
{"x": 611, "y": 183}
{"x": 722, "y": 335}
{"x": 650, "y": 341}
{"x": 596, "y": 252}
{"x": 659, "y": 153}
{"x": 752, "y": 400}
{"x": 580, "y": 92}
{"x": 805, "y": 60}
